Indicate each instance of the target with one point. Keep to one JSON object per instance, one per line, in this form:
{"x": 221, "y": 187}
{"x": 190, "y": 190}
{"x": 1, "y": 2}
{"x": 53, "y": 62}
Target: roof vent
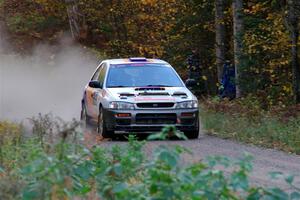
{"x": 138, "y": 59}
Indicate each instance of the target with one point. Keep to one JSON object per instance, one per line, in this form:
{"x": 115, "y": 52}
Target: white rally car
{"x": 139, "y": 95}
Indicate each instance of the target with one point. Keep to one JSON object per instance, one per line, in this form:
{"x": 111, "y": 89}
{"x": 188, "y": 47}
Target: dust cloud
{"x": 50, "y": 80}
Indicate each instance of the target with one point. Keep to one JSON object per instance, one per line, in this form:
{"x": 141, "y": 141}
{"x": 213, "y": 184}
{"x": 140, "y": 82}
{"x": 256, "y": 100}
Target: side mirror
{"x": 95, "y": 84}
{"x": 190, "y": 83}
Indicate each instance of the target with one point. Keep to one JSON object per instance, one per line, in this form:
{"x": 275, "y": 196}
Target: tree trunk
{"x": 238, "y": 31}
{"x": 220, "y": 36}
{"x": 295, "y": 66}
{"x": 294, "y": 28}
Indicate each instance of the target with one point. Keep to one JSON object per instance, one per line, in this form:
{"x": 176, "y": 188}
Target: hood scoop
{"x": 180, "y": 94}
{"x": 125, "y": 95}
{"x": 149, "y": 88}
{"x": 154, "y": 94}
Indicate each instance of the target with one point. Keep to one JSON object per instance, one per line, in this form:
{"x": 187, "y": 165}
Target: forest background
{"x": 260, "y": 37}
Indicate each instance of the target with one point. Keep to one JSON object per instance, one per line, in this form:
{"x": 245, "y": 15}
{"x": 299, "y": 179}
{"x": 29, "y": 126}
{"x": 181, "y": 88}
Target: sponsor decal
{"x": 103, "y": 93}
{"x": 95, "y": 97}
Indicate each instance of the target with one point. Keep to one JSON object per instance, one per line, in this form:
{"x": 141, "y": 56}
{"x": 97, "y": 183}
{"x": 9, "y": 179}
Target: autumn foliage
{"x": 170, "y": 29}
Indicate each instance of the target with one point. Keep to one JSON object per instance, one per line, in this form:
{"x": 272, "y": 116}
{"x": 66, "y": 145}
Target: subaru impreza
{"x": 139, "y": 95}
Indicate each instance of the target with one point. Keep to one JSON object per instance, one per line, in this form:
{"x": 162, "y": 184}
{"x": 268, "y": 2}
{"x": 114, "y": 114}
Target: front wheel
{"x": 101, "y": 126}
{"x": 194, "y": 134}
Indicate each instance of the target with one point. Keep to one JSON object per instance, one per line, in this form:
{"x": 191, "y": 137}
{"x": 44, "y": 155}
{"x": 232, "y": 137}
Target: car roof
{"x": 128, "y": 61}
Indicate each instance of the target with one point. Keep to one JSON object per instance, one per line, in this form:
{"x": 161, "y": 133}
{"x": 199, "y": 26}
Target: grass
{"x": 252, "y": 125}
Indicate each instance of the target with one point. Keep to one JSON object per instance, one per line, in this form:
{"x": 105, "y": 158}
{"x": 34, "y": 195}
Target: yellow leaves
{"x": 270, "y": 16}
{"x": 151, "y": 51}
{"x": 209, "y": 26}
{"x": 9, "y": 128}
{"x": 267, "y": 44}
{"x": 287, "y": 89}
{"x": 139, "y": 26}
{"x": 256, "y": 8}
{"x": 149, "y": 2}
{"x": 265, "y": 47}
{"x": 285, "y": 62}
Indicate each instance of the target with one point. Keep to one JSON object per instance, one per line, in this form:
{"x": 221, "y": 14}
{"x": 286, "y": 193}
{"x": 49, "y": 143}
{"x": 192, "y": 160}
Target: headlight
{"x": 120, "y": 106}
{"x": 187, "y": 104}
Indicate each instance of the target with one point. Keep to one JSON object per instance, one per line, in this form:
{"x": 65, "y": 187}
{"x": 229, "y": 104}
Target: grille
{"x": 152, "y": 118}
{"x": 155, "y": 105}
{"x": 123, "y": 122}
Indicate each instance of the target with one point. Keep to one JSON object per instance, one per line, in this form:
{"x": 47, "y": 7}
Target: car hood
{"x": 134, "y": 95}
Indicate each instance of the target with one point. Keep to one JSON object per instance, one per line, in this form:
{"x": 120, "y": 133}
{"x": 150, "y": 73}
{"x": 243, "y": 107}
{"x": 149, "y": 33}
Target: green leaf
{"x": 275, "y": 175}
{"x": 254, "y": 194}
{"x": 157, "y": 136}
{"x": 120, "y": 187}
{"x": 84, "y": 171}
{"x": 195, "y": 169}
{"x": 290, "y": 179}
{"x": 239, "y": 180}
{"x": 168, "y": 157}
{"x": 277, "y": 193}
{"x": 29, "y": 194}
{"x": 118, "y": 169}
{"x": 180, "y": 135}
{"x": 2, "y": 170}
{"x": 295, "y": 196}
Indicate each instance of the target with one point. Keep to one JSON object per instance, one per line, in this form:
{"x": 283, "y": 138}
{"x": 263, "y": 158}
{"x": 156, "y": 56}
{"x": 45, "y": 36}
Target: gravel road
{"x": 265, "y": 160}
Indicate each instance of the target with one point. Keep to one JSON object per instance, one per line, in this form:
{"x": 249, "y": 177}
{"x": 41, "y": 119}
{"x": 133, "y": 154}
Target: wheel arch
{"x": 82, "y": 103}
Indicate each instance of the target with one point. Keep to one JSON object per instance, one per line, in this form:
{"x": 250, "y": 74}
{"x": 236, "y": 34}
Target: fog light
{"x": 187, "y": 114}
{"x": 123, "y": 115}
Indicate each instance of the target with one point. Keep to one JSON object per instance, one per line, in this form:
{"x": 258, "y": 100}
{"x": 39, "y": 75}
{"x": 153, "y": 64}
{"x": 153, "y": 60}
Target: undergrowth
{"x": 53, "y": 163}
{"x": 245, "y": 120}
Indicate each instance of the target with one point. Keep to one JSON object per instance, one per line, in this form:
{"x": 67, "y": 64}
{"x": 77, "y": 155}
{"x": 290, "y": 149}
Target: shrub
{"x": 246, "y": 121}
{"x": 71, "y": 170}
{"x": 10, "y": 140}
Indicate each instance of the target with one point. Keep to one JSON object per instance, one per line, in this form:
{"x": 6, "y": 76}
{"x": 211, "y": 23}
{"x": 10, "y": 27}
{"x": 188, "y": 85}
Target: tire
{"x": 101, "y": 126}
{"x": 84, "y": 119}
{"x": 194, "y": 134}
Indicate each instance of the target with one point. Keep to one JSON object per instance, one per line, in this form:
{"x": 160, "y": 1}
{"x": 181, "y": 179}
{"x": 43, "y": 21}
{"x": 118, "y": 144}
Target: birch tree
{"x": 238, "y": 31}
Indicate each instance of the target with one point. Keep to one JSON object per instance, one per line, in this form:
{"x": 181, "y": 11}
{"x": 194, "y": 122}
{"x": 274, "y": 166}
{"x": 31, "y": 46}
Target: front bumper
{"x": 151, "y": 120}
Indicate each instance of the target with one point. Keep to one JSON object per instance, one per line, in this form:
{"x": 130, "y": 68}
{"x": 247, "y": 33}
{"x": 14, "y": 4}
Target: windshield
{"x": 142, "y": 75}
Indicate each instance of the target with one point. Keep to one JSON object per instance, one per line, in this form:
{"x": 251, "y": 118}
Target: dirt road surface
{"x": 265, "y": 160}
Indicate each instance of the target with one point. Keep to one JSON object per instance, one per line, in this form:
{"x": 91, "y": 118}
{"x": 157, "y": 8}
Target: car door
{"x": 98, "y": 94}
{"x": 95, "y": 94}
{"x": 89, "y": 95}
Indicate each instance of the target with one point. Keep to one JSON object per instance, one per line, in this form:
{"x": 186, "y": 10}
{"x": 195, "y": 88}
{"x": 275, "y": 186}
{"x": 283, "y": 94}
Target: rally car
{"x": 139, "y": 95}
